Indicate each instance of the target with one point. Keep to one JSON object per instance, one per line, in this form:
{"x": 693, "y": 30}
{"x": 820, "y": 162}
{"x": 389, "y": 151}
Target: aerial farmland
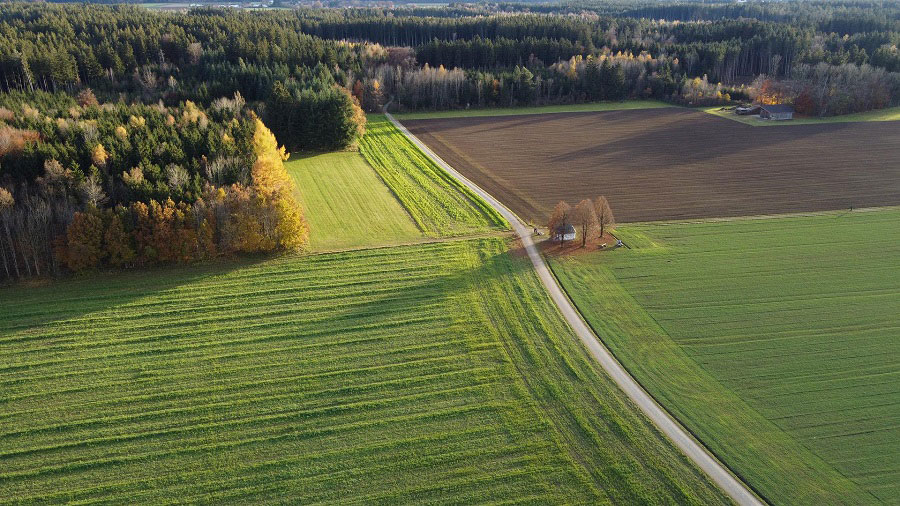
{"x": 771, "y": 336}
{"x": 630, "y": 252}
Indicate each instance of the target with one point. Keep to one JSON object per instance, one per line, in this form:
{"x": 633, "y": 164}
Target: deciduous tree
{"x": 560, "y": 218}
{"x": 585, "y": 217}
{"x": 604, "y": 214}
{"x": 117, "y": 242}
{"x": 84, "y": 244}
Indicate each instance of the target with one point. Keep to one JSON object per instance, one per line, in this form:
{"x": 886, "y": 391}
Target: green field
{"x": 888, "y": 114}
{"x": 543, "y": 109}
{"x": 774, "y": 340}
{"x": 440, "y": 205}
{"x": 346, "y": 203}
{"x": 431, "y": 373}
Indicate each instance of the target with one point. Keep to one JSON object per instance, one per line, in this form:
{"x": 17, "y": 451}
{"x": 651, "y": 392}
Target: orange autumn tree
{"x": 84, "y": 241}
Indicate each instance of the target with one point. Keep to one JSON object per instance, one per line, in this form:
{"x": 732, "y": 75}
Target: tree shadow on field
{"x": 33, "y": 304}
{"x": 492, "y": 265}
{"x": 487, "y": 124}
{"x": 694, "y": 137}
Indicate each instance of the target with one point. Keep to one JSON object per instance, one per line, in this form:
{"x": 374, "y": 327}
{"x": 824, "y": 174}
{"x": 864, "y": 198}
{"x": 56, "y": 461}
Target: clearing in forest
{"x": 669, "y": 163}
{"x": 775, "y": 341}
{"x": 428, "y": 373}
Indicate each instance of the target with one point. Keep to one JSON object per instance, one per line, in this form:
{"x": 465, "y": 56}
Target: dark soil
{"x": 663, "y": 164}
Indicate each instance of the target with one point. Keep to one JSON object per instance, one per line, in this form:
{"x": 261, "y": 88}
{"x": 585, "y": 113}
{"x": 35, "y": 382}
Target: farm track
{"x": 671, "y": 163}
{"x": 721, "y": 475}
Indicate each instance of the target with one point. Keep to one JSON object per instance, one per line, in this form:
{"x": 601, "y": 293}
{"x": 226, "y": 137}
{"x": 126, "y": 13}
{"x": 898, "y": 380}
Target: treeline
{"x": 724, "y": 47}
{"x": 604, "y": 76}
{"x": 58, "y": 46}
{"x": 84, "y": 184}
{"x": 828, "y": 90}
{"x": 210, "y": 53}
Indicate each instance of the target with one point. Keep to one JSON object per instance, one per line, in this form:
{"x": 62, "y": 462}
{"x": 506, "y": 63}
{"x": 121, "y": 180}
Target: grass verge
{"x": 888, "y": 114}
{"x": 440, "y": 205}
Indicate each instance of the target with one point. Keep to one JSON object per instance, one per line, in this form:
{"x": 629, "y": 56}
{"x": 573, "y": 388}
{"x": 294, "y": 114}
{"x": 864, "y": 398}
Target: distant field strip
{"x": 887, "y": 114}
{"x": 541, "y": 109}
{"x": 670, "y": 163}
{"x": 435, "y": 373}
{"x": 438, "y": 203}
{"x": 776, "y": 341}
{"x": 346, "y": 203}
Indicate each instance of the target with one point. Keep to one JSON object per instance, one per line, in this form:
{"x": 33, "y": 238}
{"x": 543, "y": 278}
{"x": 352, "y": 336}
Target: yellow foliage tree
{"x": 274, "y": 191}
{"x": 6, "y": 198}
{"x": 268, "y": 172}
{"x": 99, "y": 155}
{"x": 292, "y": 230}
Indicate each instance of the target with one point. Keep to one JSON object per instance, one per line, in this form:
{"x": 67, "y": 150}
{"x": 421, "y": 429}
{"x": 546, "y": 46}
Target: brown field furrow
{"x": 662, "y": 164}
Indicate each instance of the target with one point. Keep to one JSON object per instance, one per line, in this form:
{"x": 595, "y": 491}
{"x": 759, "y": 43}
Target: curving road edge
{"x": 719, "y": 474}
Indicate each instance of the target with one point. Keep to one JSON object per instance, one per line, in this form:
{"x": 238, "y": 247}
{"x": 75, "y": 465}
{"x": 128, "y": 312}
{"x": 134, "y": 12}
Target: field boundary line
{"x": 424, "y": 240}
{"x": 777, "y": 216}
{"x": 695, "y": 451}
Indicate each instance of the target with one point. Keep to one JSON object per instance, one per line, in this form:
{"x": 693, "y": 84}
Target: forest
{"x": 123, "y": 128}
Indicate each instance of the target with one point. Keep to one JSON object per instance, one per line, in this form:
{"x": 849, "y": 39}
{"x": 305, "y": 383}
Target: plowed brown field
{"x": 659, "y": 164}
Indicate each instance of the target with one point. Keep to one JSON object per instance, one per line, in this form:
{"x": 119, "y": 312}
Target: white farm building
{"x": 564, "y": 233}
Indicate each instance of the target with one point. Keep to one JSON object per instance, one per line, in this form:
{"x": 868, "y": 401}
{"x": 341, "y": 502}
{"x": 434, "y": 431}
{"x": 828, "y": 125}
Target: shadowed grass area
{"x": 774, "y": 340}
{"x": 435, "y": 373}
{"x": 346, "y": 204}
{"x": 542, "y": 109}
{"x": 888, "y": 114}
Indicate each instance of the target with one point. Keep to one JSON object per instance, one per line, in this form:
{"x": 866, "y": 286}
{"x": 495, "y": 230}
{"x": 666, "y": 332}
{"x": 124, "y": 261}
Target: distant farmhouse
{"x": 776, "y": 112}
{"x": 564, "y": 233}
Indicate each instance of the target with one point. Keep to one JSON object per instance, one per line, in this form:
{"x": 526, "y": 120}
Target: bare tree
{"x": 604, "y": 214}
{"x": 92, "y": 190}
{"x": 194, "y": 51}
{"x": 559, "y": 219}
{"x": 6, "y": 210}
{"x": 585, "y": 217}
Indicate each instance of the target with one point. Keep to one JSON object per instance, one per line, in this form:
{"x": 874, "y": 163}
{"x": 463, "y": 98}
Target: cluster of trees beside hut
{"x": 590, "y": 219}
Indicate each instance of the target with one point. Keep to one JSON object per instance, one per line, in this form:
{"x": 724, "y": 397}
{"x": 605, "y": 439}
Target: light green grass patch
{"x": 346, "y": 204}
{"x": 440, "y": 205}
{"x": 544, "y": 109}
{"x": 434, "y": 373}
{"x": 889, "y": 114}
{"x": 774, "y": 340}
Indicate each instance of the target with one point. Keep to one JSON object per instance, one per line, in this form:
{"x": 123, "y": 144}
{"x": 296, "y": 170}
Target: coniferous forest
{"x": 132, "y": 137}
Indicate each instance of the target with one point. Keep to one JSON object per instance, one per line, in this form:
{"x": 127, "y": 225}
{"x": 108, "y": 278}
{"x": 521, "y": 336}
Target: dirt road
{"x": 697, "y": 453}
